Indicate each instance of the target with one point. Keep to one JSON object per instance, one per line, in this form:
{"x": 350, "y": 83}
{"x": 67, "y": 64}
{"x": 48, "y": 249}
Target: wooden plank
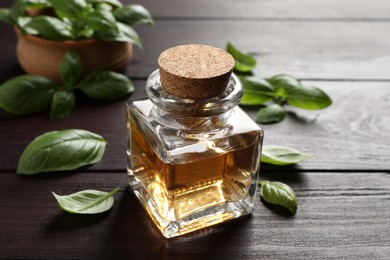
{"x": 249, "y": 9}
{"x": 311, "y": 50}
{"x": 320, "y": 50}
{"x": 340, "y": 216}
{"x": 297, "y": 9}
{"x": 352, "y": 134}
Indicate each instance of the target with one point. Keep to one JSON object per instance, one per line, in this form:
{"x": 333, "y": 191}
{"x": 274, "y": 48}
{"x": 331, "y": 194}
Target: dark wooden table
{"x": 343, "y": 193}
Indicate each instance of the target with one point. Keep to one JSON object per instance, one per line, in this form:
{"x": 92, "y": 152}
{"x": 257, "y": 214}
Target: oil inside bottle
{"x": 197, "y": 190}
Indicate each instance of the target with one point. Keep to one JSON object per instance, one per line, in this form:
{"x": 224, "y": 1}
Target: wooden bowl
{"x": 40, "y": 56}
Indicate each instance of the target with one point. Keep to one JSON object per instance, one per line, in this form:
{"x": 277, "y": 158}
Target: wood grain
{"x": 266, "y": 9}
{"x": 340, "y": 216}
{"x": 352, "y": 134}
{"x": 321, "y": 50}
{"x": 343, "y": 193}
{"x": 270, "y": 9}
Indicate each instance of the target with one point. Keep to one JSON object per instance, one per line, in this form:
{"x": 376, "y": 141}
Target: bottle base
{"x": 206, "y": 217}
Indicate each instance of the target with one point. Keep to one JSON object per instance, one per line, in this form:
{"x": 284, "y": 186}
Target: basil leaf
{"x": 106, "y": 85}
{"x": 244, "y": 62}
{"x": 71, "y": 9}
{"x": 26, "y": 94}
{"x": 61, "y": 151}
{"x": 271, "y": 114}
{"x": 256, "y": 91}
{"x": 280, "y": 155}
{"x": 85, "y": 33}
{"x": 5, "y": 16}
{"x": 86, "y": 201}
{"x": 104, "y": 7}
{"x": 115, "y": 3}
{"x": 17, "y": 10}
{"x": 62, "y": 104}
{"x": 307, "y": 97}
{"x": 50, "y": 28}
{"x": 106, "y": 15}
{"x": 38, "y": 3}
{"x": 104, "y": 25}
{"x": 22, "y": 21}
{"x": 70, "y": 67}
{"x": 127, "y": 34}
{"x": 280, "y": 194}
{"x": 133, "y": 14}
{"x": 283, "y": 82}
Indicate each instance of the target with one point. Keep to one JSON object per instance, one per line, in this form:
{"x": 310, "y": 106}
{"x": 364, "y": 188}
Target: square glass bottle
{"x": 192, "y": 162}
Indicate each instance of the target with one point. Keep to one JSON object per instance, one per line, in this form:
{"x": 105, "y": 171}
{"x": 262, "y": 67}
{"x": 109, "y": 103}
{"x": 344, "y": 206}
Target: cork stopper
{"x": 195, "y": 71}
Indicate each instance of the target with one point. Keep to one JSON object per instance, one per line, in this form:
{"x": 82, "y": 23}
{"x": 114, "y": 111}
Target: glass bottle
{"x": 192, "y": 163}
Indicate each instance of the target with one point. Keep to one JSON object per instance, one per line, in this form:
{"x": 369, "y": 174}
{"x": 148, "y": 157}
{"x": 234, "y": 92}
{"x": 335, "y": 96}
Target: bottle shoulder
{"x": 175, "y": 145}
{"x": 234, "y": 122}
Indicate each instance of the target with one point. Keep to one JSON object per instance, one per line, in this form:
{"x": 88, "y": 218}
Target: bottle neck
{"x": 188, "y": 124}
{"x": 190, "y": 109}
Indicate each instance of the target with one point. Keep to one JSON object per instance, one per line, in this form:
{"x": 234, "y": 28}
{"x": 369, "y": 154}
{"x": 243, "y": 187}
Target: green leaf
{"x": 115, "y": 3}
{"x": 271, "y": 114}
{"x": 86, "y": 201}
{"x": 282, "y": 82}
{"x": 50, "y": 28}
{"x": 106, "y": 15}
{"x": 5, "y": 16}
{"x": 71, "y": 9}
{"x": 256, "y": 91}
{"x": 22, "y": 21}
{"x": 244, "y": 62}
{"x": 70, "y": 68}
{"x": 104, "y": 25}
{"x": 279, "y": 194}
{"x": 62, "y": 104}
{"x": 106, "y": 85}
{"x": 307, "y": 97}
{"x": 280, "y": 155}
{"x": 133, "y": 14}
{"x": 26, "y": 94}
{"x": 61, "y": 151}
{"x": 104, "y": 7}
{"x": 38, "y": 3}
{"x": 17, "y": 10}
{"x": 127, "y": 34}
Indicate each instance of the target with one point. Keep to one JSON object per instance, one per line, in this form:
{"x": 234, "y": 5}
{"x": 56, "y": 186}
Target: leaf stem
{"x": 101, "y": 199}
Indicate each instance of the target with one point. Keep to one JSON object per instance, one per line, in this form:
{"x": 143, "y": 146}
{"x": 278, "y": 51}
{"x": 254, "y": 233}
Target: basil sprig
{"x": 86, "y": 201}
{"x": 29, "y": 94}
{"x": 107, "y": 20}
{"x": 61, "y": 151}
{"x": 279, "y": 90}
{"x": 285, "y": 89}
{"x": 279, "y": 194}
